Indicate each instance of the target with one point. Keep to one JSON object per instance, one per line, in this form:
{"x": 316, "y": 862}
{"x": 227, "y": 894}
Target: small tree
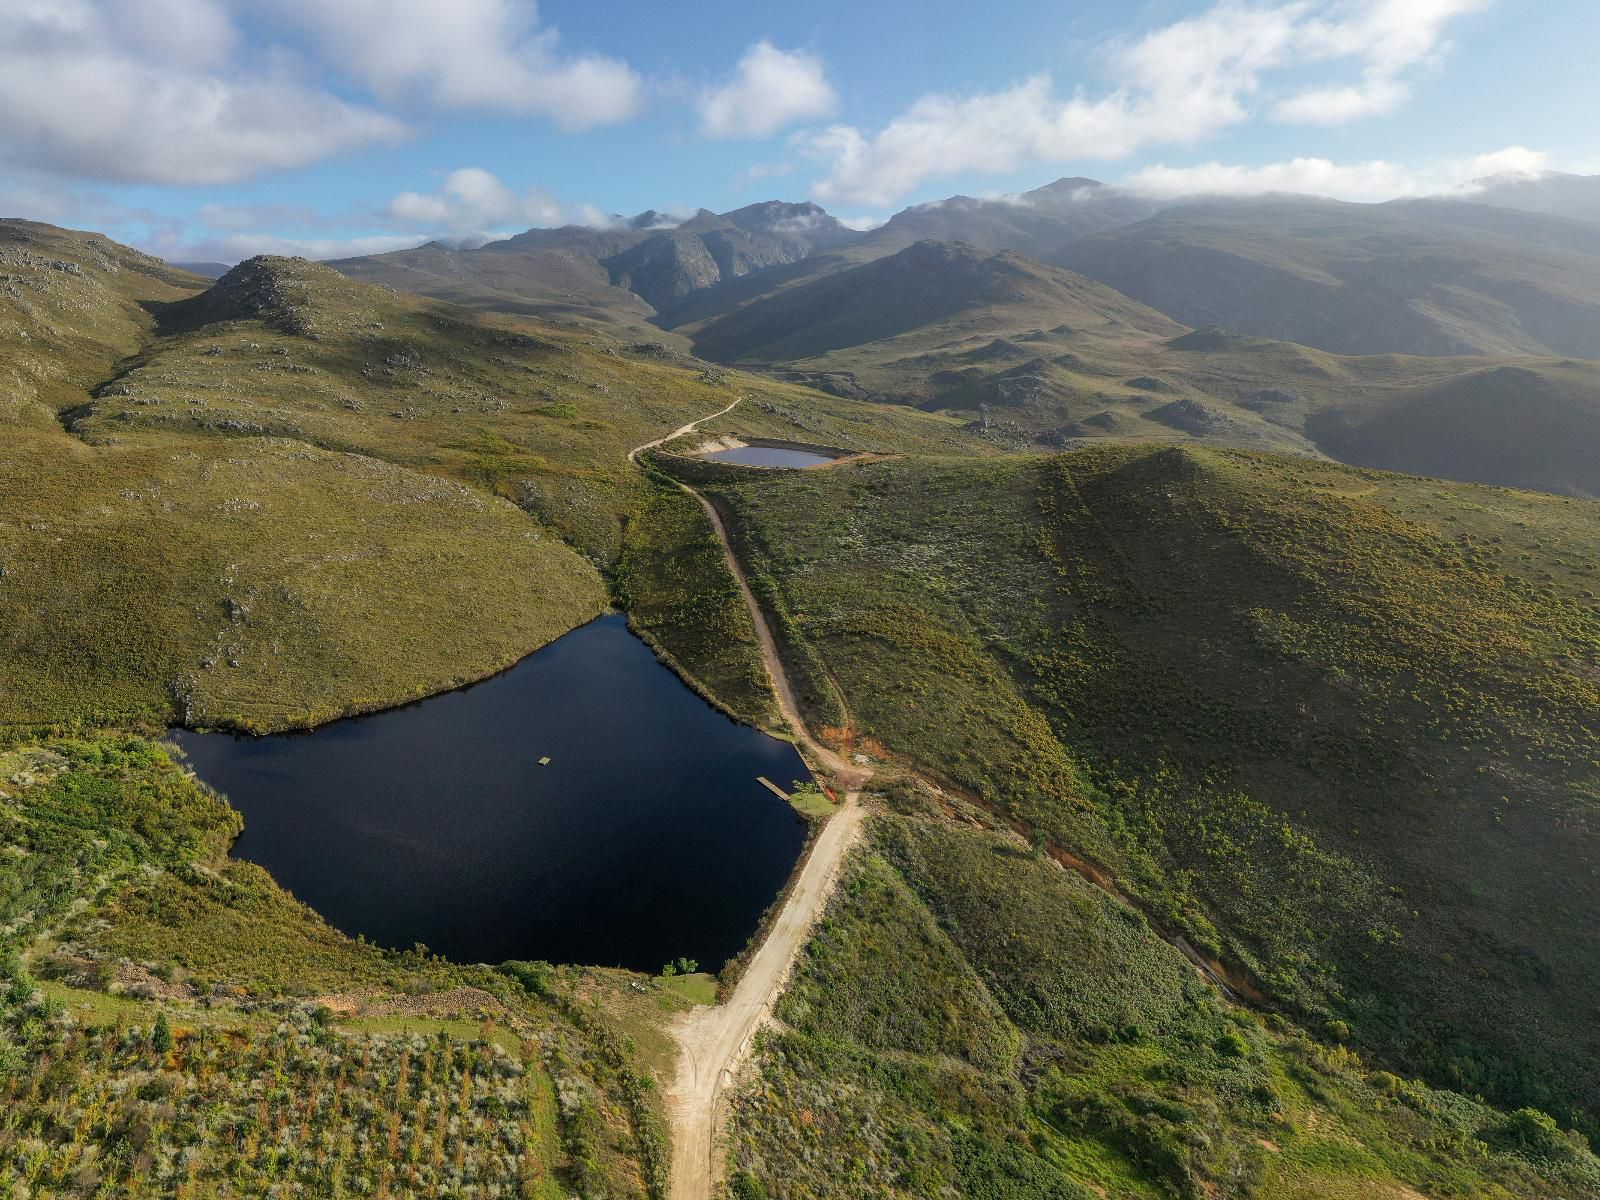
{"x": 161, "y": 1035}
{"x": 1532, "y": 1131}
{"x": 536, "y": 976}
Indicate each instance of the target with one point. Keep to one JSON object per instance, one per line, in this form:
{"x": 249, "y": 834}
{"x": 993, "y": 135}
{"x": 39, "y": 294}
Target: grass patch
{"x": 812, "y": 803}
{"x": 697, "y": 988}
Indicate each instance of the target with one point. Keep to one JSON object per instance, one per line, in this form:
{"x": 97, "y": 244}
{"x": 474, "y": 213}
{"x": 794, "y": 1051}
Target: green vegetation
{"x": 972, "y": 1019}
{"x": 696, "y": 986}
{"x": 926, "y": 284}
{"x": 1336, "y": 727}
{"x": 217, "y": 1068}
{"x": 613, "y": 278}
{"x": 1333, "y": 730}
{"x": 259, "y": 583}
{"x": 679, "y": 594}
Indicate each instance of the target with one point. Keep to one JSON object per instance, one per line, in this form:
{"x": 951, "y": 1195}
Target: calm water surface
{"x": 646, "y": 837}
{"x": 769, "y": 456}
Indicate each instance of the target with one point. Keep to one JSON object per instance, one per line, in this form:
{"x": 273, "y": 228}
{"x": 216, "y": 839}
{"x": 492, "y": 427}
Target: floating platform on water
{"x": 772, "y": 787}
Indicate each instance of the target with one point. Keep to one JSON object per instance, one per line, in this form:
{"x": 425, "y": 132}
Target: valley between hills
{"x": 1194, "y": 637}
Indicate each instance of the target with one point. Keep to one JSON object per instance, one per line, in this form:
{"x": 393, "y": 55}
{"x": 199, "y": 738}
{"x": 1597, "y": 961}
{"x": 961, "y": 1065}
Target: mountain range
{"x": 1443, "y": 335}
{"x": 1503, "y": 267}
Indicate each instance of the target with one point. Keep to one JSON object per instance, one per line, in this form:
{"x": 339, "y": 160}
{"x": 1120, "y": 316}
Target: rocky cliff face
{"x": 667, "y": 266}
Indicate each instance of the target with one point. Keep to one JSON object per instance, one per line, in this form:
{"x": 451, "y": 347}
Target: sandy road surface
{"x": 715, "y": 1041}
{"x": 633, "y": 455}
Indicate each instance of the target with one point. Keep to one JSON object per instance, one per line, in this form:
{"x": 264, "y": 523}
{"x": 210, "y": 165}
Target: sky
{"x": 210, "y": 130}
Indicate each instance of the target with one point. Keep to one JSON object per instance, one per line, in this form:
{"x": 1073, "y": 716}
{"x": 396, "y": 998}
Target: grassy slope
{"x": 116, "y": 856}
{"x": 259, "y": 583}
{"x": 214, "y": 574}
{"x": 1336, "y": 725}
{"x": 674, "y": 582}
{"x": 289, "y": 498}
{"x": 970, "y": 1019}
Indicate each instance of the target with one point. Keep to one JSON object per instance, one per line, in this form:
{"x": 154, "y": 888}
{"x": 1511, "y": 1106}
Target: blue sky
{"x": 220, "y": 128}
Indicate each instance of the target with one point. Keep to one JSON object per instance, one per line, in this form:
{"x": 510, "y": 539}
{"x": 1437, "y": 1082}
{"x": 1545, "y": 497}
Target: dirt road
{"x": 716, "y": 1041}
{"x": 633, "y": 455}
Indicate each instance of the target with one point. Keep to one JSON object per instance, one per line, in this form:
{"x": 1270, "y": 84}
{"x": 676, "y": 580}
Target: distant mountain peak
{"x": 652, "y": 218}
{"x": 785, "y": 219}
{"x": 1067, "y": 185}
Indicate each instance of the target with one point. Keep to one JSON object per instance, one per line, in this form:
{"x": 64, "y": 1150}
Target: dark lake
{"x": 646, "y": 838}
{"x": 769, "y": 456}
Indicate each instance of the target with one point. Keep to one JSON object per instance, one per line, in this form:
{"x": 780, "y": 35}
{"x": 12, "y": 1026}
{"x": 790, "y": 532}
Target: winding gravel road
{"x": 715, "y": 1041}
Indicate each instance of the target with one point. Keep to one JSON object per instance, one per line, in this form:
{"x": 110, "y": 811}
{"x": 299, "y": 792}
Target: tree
{"x": 161, "y": 1035}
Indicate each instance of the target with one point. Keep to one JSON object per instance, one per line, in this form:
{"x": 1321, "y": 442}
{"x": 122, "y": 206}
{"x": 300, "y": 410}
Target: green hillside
{"x": 615, "y": 278}
{"x": 971, "y": 1018}
{"x": 1535, "y": 426}
{"x": 1331, "y": 733}
{"x": 1036, "y": 223}
{"x": 557, "y": 284}
{"x": 293, "y": 496}
{"x": 217, "y": 567}
{"x": 1335, "y": 726}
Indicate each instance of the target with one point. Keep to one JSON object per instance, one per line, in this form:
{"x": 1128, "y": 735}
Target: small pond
{"x": 769, "y": 456}
{"x": 646, "y": 837}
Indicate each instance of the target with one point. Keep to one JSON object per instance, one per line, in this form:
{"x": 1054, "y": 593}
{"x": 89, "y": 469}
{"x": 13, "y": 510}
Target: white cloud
{"x": 1176, "y": 85}
{"x": 862, "y": 223}
{"x": 1513, "y": 160}
{"x": 468, "y": 54}
{"x": 1376, "y": 180}
{"x": 1388, "y": 37}
{"x": 1373, "y": 181}
{"x": 42, "y": 197}
{"x": 1341, "y": 105}
{"x": 92, "y": 88}
{"x": 195, "y": 33}
{"x": 473, "y": 201}
{"x": 771, "y": 89}
{"x": 171, "y": 92}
